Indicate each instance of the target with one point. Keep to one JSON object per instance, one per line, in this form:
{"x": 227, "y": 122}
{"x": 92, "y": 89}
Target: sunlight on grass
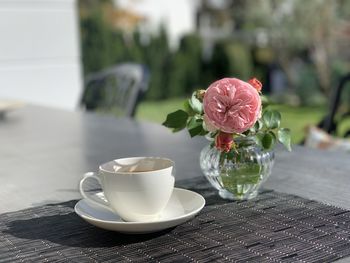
{"x": 156, "y": 111}
{"x": 295, "y": 118}
{"x": 298, "y": 118}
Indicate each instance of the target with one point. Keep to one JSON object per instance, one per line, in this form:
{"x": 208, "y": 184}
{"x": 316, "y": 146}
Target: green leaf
{"x": 195, "y": 126}
{"x": 231, "y": 154}
{"x": 258, "y": 125}
{"x": 195, "y": 104}
{"x": 258, "y": 138}
{"x": 272, "y": 119}
{"x": 284, "y": 137}
{"x": 268, "y": 141}
{"x": 176, "y": 120}
{"x": 247, "y": 132}
{"x": 203, "y": 132}
{"x": 265, "y": 101}
{"x": 188, "y": 108}
{"x": 222, "y": 158}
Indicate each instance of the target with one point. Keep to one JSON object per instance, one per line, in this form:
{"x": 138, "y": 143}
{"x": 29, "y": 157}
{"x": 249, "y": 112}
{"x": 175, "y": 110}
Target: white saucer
{"x": 183, "y": 206}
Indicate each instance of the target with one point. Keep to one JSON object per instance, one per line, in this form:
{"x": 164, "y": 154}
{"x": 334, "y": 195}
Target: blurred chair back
{"x": 116, "y": 90}
{"x": 329, "y": 124}
{"x": 321, "y": 137}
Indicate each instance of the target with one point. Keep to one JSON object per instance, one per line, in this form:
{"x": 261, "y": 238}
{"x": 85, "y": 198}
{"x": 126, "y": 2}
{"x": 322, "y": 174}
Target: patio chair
{"x": 331, "y": 121}
{"x": 321, "y": 137}
{"x": 116, "y": 90}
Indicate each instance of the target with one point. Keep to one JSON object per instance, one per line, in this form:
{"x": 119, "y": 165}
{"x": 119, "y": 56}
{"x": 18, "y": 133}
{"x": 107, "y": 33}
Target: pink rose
{"x": 232, "y": 105}
{"x": 208, "y": 125}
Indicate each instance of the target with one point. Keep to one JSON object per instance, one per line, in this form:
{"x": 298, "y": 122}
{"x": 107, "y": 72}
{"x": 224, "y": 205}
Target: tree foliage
{"x": 293, "y": 30}
{"x": 295, "y": 26}
{"x": 174, "y": 73}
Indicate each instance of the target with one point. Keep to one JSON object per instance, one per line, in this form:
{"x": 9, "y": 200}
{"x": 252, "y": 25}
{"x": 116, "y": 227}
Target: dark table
{"x": 44, "y": 153}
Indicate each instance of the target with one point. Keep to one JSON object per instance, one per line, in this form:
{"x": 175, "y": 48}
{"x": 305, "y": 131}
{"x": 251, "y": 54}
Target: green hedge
{"x": 173, "y": 73}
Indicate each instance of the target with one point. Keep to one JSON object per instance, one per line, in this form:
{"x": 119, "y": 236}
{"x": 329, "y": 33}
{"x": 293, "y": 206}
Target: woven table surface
{"x": 274, "y": 227}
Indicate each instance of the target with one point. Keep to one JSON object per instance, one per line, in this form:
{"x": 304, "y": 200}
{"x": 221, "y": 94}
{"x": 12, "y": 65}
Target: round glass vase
{"x": 239, "y": 175}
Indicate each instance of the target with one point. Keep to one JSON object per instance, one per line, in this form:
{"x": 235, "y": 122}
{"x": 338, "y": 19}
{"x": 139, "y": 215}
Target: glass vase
{"x": 237, "y": 175}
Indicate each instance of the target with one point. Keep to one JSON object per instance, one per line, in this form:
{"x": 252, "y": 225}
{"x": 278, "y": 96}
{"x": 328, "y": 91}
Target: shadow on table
{"x": 72, "y": 192}
{"x": 57, "y": 223}
{"x": 68, "y": 229}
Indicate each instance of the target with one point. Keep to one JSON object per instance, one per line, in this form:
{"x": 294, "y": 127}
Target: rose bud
{"x": 256, "y": 84}
{"x": 200, "y": 94}
{"x": 224, "y": 141}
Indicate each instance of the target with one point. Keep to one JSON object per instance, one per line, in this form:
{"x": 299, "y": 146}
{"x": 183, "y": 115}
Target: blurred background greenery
{"x": 297, "y": 48}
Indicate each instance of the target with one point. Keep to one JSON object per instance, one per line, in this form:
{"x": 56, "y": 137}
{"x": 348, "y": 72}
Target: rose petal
{"x": 232, "y": 105}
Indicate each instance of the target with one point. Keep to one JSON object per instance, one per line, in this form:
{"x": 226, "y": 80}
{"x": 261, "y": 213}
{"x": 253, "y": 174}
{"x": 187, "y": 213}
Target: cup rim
{"x": 171, "y": 164}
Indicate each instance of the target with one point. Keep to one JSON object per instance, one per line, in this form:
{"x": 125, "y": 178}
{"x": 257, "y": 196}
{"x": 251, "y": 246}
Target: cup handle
{"x": 88, "y": 197}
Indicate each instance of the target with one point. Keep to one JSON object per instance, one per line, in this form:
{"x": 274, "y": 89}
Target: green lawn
{"x": 295, "y": 118}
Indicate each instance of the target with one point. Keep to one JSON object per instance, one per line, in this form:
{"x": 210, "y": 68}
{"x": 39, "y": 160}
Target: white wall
{"x": 177, "y": 16}
{"x": 39, "y": 52}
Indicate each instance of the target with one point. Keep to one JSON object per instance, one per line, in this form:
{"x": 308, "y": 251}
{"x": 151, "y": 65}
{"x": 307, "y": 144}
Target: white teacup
{"x": 136, "y": 188}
